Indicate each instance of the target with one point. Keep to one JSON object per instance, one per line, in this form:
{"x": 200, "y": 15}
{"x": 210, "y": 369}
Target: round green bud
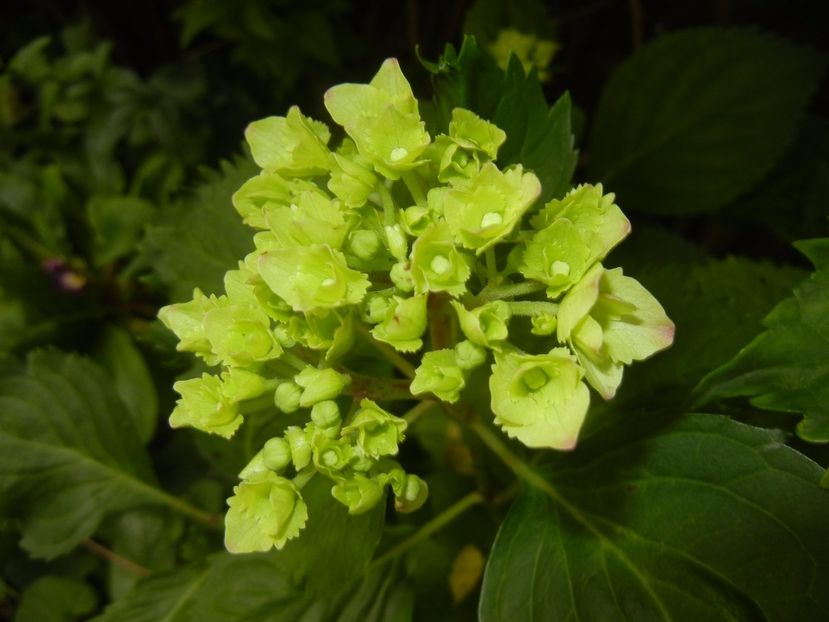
{"x": 469, "y": 355}
{"x": 300, "y": 448}
{"x": 320, "y": 384}
{"x": 276, "y": 454}
{"x": 415, "y": 491}
{"x": 543, "y": 324}
{"x": 358, "y": 493}
{"x": 375, "y": 307}
{"x": 396, "y": 241}
{"x": 401, "y": 276}
{"x": 364, "y": 244}
{"x": 326, "y": 415}
{"x": 287, "y": 396}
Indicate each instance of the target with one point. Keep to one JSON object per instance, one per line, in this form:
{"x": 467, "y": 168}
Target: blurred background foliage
{"x": 121, "y": 130}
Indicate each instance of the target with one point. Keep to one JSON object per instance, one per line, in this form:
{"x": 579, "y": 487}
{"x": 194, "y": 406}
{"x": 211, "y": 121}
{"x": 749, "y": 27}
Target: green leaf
{"x": 717, "y": 307}
{"x": 202, "y": 237}
{"x": 69, "y": 453}
{"x": 695, "y": 118}
{"x": 538, "y": 136}
{"x": 117, "y": 224}
{"x": 335, "y": 547}
{"x": 131, "y": 377}
{"x": 690, "y": 518}
{"x": 56, "y": 599}
{"x": 786, "y": 368}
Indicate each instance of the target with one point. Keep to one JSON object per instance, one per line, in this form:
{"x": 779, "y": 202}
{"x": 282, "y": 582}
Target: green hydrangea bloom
{"x": 539, "y": 399}
{"x": 575, "y": 232}
{"x": 439, "y": 374}
{"x": 485, "y": 325}
{"x": 485, "y": 209}
{"x": 436, "y": 265}
{"x": 403, "y": 324}
{"x": 204, "y": 406}
{"x": 382, "y": 119}
{"x": 292, "y": 145}
{"x": 312, "y": 277}
{"x": 610, "y": 320}
{"x": 265, "y": 512}
{"x": 386, "y": 229}
{"x": 375, "y": 431}
{"x": 532, "y": 51}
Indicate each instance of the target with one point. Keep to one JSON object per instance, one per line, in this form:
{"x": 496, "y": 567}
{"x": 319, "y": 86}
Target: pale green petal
{"x": 439, "y": 374}
{"x": 485, "y": 325}
{"x": 265, "y": 512}
{"x": 539, "y": 399}
{"x": 472, "y": 132}
{"x": 403, "y": 324}
{"x": 437, "y": 265}
{"x": 290, "y": 145}
{"x": 204, "y": 406}
{"x": 375, "y": 431}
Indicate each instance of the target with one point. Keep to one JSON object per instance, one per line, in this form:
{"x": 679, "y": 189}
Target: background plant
{"x": 714, "y": 140}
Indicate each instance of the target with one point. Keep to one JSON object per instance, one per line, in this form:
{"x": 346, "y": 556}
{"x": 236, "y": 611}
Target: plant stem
{"x": 377, "y": 389}
{"x": 304, "y": 476}
{"x": 293, "y": 360}
{"x": 499, "y": 292}
{"x": 491, "y": 267}
{"x": 414, "y": 413}
{"x": 388, "y": 204}
{"x": 532, "y": 307}
{"x": 119, "y": 560}
{"x": 415, "y": 187}
{"x": 434, "y": 525}
{"x": 389, "y": 353}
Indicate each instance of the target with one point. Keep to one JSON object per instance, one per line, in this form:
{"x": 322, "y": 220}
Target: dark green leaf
{"x": 786, "y": 368}
{"x": 202, "y": 237}
{"x": 69, "y": 453}
{"x": 695, "y": 518}
{"x": 118, "y": 224}
{"x": 538, "y": 136}
{"x": 717, "y": 306}
{"x": 56, "y": 599}
{"x": 133, "y": 383}
{"x": 334, "y": 548}
{"x": 695, "y": 118}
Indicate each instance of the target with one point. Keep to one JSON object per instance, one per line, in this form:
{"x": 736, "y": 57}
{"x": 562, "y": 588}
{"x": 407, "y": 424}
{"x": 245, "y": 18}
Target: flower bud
{"x": 358, "y": 493}
{"x": 376, "y": 431}
{"x": 326, "y": 415}
{"x": 396, "y": 241}
{"x": 437, "y": 266}
{"x": 320, "y": 384}
{"x": 287, "y": 396}
{"x": 543, "y": 324}
{"x": 485, "y": 325}
{"x": 364, "y": 244}
{"x": 439, "y": 374}
{"x": 297, "y": 439}
{"x": 265, "y": 512}
{"x": 204, "y": 406}
{"x": 469, "y": 355}
{"x": 403, "y": 324}
{"x": 401, "y": 276}
{"x": 276, "y": 454}
{"x": 332, "y": 455}
{"x": 414, "y": 494}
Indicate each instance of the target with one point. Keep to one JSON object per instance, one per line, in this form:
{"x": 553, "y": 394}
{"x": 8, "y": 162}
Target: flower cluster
{"x": 418, "y": 250}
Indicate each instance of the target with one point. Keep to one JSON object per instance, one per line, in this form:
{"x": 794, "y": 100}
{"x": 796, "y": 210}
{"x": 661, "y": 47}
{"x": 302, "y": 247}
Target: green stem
{"x": 293, "y": 360}
{"x": 377, "y": 389}
{"x": 487, "y": 294}
{"x": 118, "y": 560}
{"x": 414, "y": 413}
{"x": 491, "y": 267}
{"x": 434, "y": 525}
{"x": 304, "y": 476}
{"x": 389, "y": 353}
{"x": 415, "y": 187}
{"x": 177, "y": 504}
{"x": 532, "y": 307}
{"x": 388, "y": 204}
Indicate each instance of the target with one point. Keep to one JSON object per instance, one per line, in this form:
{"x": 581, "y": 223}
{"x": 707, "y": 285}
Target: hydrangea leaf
{"x": 632, "y": 526}
{"x": 655, "y": 151}
{"x": 69, "y": 453}
{"x": 786, "y": 368}
{"x": 539, "y": 399}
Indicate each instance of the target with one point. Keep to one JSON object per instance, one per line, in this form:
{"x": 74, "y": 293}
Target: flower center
{"x": 491, "y": 218}
{"x": 534, "y": 379}
{"x": 559, "y": 268}
{"x": 398, "y": 154}
{"x": 440, "y": 264}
